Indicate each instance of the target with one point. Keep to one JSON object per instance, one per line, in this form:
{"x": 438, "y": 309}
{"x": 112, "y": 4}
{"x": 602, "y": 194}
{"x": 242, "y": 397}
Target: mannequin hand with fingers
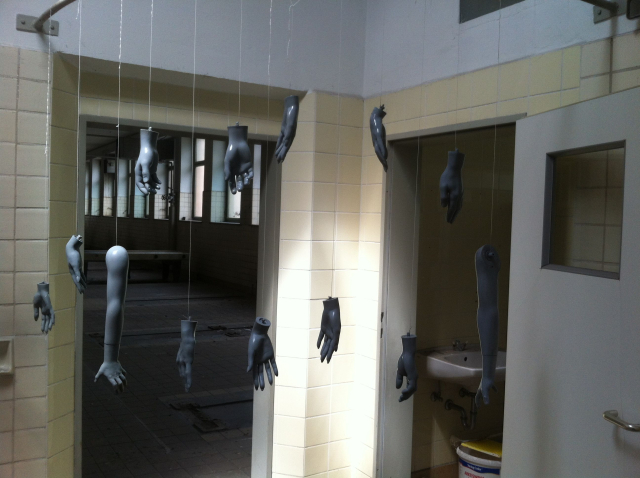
{"x": 379, "y": 135}
{"x": 74, "y": 260}
{"x": 238, "y": 166}
{"x": 261, "y": 353}
{"x": 147, "y": 165}
{"x": 288, "y": 128}
{"x": 330, "y": 327}
{"x": 407, "y": 367}
{"x": 112, "y": 370}
{"x": 487, "y": 268}
{"x": 117, "y": 260}
{"x": 186, "y": 351}
{"x": 451, "y": 189}
{"x": 42, "y": 303}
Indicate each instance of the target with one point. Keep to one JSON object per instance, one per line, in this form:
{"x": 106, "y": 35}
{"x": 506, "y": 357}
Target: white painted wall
{"x": 407, "y": 45}
{"x": 313, "y": 51}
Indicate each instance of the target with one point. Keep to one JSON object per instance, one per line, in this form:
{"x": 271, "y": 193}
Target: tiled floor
{"x": 136, "y": 434}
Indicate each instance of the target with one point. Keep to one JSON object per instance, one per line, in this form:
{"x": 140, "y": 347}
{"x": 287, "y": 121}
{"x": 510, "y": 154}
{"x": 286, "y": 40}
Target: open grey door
{"x": 574, "y": 305}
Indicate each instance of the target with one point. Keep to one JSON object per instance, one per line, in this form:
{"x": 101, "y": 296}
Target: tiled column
{"x": 318, "y": 258}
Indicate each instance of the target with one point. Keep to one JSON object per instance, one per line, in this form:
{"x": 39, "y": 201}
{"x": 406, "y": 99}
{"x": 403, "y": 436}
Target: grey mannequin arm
{"x": 487, "y": 268}
{"x": 330, "y": 327}
{"x": 74, "y": 260}
{"x": 261, "y": 353}
{"x": 42, "y": 303}
{"x": 238, "y": 167}
{"x": 186, "y": 352}
{"x": 451, "y": 189}
{"x": 288, "y": 128}
{"x": 379, "y": 135}
{"x": 407, "y": 367}
{"x": 147, "y": 165}
{"x": 117, "y": 260}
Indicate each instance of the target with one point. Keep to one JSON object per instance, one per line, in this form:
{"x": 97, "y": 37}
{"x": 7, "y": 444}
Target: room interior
{"x": 328, "y": 221}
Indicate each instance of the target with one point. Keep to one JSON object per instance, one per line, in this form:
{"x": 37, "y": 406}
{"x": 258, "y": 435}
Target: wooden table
{"x": 171, "y": 260}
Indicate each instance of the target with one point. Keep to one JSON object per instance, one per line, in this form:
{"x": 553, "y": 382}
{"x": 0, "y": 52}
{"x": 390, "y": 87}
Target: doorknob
{"x": 612, "y": 417}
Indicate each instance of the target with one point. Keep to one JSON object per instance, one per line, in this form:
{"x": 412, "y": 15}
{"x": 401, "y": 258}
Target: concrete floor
{"x": 137, "y": 434}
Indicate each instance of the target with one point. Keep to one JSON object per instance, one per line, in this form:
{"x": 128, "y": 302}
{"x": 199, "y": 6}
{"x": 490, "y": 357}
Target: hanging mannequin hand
{"x": 451, "y": 189}
{"x": 288, "y": 128}
{"x": 113, "y": 371}
{"x": 147, "y": 164}
{"x": 407, "y": 367}
{"x": 42, "y": 303}
{"x": 238, "y": 167}
{"x": 487, "y": 382}
{"x": 330, "y": 327}
{"x": 487, "y": 268}
{"x": 74, "y": 260}
{"x": 187, "y": 351}
{"x": 379, "y": 135}
{"x": 261, "y": 353}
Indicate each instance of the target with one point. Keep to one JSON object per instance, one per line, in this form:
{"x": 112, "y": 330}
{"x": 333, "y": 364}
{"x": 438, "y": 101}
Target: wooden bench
{"x": 171, "y": 260}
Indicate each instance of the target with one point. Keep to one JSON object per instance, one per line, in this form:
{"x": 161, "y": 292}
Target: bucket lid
{"x": 489, "y": 447}
{"x": 478, "y": 458}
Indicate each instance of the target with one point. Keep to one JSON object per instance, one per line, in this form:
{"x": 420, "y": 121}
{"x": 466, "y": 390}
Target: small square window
{"x": 583, "y": 211}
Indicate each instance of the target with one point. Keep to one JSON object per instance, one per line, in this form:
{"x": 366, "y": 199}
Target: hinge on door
{"x": 381, "y": 330}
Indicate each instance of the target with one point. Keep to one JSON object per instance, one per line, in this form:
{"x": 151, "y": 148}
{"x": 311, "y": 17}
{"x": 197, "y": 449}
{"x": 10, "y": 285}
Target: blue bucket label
{"x": 478, "y": 469}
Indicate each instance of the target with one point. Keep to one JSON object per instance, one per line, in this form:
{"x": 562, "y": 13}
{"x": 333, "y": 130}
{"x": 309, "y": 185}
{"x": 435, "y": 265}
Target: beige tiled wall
{"x": 532, "y": 86}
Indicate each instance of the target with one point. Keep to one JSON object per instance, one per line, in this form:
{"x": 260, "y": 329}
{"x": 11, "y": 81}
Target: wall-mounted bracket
{"x": 26, "y": 23}
{"x": 633, "y": 9}
{"x": 607, "y": 9}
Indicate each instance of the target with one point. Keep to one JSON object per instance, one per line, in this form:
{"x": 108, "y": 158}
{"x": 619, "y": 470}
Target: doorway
{"x": 155, "y": 427}
{"x": 431, "y": 287}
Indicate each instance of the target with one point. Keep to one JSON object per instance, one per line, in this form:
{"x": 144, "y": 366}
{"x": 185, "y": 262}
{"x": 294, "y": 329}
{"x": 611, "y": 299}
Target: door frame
{"x": 400, "y": 206}
{"x": 267, "y": 291}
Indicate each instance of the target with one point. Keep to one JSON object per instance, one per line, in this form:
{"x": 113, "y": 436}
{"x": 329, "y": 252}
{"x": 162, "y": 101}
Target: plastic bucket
{"x": 471, "y": 466}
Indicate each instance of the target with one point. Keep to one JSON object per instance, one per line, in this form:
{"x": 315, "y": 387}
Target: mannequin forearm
{"x": 113, "y": 329}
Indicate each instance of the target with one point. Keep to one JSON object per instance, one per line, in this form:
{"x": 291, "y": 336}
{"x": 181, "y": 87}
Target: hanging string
{"x": 47, "y": 154}
{"x": 240, "y": 61}
{"x": 291, "y": 5}
{"x": 150, "y": 50}
{"x": 335, "y": 225}
{"x": 117, "y": 179}
{"x": 79, "y": 18}
{"x": 495, "y": 128}
{"x": 382, "y": 58}
{"x": 266, "y": 169}
{"x": 193, "y": 145}
{"x": 455, "y": 131}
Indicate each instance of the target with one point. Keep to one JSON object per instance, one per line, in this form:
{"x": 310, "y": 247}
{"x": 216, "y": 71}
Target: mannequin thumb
{"x": 250, "y": 363}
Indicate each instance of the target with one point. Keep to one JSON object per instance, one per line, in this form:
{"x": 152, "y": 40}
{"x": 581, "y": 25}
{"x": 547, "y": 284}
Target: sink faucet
{"x": 459, "y": 346}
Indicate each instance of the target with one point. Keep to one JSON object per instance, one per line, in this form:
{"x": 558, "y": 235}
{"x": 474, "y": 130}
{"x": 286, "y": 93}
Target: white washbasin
{"x": 460, "y": 367}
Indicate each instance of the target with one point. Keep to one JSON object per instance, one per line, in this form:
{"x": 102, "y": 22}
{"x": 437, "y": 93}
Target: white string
{"x": 78, "y": 17}
{"x": 240, "y": 61}
{"x": 150, "y": 50}
{"x": 455, "y": 131}
{"x": 47, "y": 154}
{"x": 118, "y": 125}
{"x": 193, "y": 146}
{"x": 335, "y": 230}
{"x": 495, "y": 129}
{"x": 266, "y": 169}
{"x": 382, "y": 56}
{"x": 291, "y": 5}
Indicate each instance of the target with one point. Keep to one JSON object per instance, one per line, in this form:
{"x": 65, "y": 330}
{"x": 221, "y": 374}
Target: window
{"x": 255, "y": 202}
{"x": 470, "y": 9}
{"x": 96, "y": 179}
{"x": 234, "y": 201}
{"x": 198, "y": 178}
{"x": 108, "y": 186}
{"x": 160, "y": 209}
{"x": 186, "y": 171}
{"x": 218, "y": 184}
{"x": 583, "y": 223}
{"x": 87, "y": 187}
{"x": 124, "y": 185}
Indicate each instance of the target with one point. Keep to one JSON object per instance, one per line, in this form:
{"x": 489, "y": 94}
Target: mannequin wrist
{"x": 261, "y": 325}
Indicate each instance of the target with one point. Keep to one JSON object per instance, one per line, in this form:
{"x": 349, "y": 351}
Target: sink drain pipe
{"x": 470, "y": 423}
